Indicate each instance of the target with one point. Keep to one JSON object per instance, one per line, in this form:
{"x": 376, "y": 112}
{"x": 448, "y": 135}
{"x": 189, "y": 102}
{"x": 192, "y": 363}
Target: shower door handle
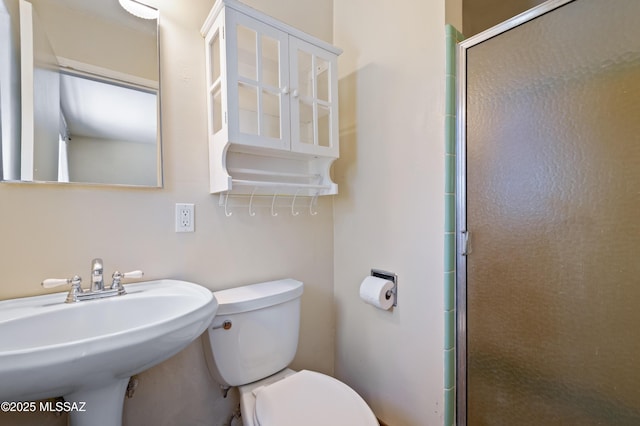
{"x": 466, "y": 248}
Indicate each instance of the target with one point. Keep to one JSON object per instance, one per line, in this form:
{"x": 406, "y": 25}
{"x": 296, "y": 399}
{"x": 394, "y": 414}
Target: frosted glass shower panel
{"x": 553, "y": 155}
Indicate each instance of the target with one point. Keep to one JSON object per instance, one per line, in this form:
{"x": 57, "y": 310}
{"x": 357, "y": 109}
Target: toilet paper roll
{"x": 373, "y": 291}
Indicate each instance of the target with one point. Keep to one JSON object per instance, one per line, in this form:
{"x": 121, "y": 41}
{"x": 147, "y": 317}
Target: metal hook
{"x": 311, "y": 211}
{"x": 293, "y": 203}
{"x": 251, "y": 212}
{"x": 273, "y": 203}
{"x": 226, "y": 200}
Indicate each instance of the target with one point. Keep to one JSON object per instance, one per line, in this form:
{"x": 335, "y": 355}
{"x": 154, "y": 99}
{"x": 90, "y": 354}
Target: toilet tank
{"x": 263, "y": 337}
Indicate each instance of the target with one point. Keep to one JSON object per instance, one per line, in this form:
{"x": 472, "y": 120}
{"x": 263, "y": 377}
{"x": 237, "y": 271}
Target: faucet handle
{"x": 132, "y": 274}
{"x": 119, "y": 276}
{"x": 75, "y": 282}
{"x": 56, "y": 282}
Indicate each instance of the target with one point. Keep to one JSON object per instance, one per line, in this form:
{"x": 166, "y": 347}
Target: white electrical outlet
{"x": 185, "y": 218}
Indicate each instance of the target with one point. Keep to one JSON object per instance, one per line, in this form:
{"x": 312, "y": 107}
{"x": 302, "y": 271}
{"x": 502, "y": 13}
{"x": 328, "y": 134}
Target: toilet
{"x": 250, "y": 343}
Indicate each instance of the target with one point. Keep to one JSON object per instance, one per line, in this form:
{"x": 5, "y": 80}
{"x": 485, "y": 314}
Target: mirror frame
{"x": 67, "y": 66}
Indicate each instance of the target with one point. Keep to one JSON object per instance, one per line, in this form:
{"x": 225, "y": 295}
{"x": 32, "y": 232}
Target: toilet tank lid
{"x": 256, "y": 296}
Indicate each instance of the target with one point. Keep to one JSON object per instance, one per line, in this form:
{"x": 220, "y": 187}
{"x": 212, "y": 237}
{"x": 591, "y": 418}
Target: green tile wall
{"x": 453, "y": 36}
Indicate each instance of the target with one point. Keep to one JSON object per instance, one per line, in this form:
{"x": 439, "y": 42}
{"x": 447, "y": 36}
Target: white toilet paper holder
{"x": 390, "y": 276}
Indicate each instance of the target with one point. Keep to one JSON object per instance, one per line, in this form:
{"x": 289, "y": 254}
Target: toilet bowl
{"x": 250, "y": 343}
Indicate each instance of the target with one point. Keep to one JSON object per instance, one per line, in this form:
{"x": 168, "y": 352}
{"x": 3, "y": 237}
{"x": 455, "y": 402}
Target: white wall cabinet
{"x": 272, "y": 104}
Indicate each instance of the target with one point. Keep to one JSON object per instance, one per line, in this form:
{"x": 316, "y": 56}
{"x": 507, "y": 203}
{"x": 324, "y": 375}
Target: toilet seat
{"x": 311, "y": 399}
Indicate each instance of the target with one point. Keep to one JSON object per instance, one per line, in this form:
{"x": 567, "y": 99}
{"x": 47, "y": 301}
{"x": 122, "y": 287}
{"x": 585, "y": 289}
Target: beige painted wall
{"x": 480, "y": 15}
{"x": 390, "y": 211}
{"x": 54, "y": 230}
{"x": 453, "y": 13}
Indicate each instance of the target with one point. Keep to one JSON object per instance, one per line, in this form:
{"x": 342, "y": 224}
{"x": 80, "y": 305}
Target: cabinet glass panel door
{"x": 314, "y": 97}
{"x": 215, "y": 57}
{"x": 258, "y": 91}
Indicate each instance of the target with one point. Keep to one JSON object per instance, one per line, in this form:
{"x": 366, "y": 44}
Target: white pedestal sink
{"x": 87, "y": 351}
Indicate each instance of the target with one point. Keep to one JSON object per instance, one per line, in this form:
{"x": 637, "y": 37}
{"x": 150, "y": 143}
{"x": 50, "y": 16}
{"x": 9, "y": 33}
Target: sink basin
{"x": 87, "y": 351}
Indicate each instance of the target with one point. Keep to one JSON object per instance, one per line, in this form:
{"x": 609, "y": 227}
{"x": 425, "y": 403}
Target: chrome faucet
{"x": 97, "y": 289}
{"x": 97, "y": 282}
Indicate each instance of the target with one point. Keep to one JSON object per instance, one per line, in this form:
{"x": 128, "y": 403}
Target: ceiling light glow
{"x": 139, "y": 9}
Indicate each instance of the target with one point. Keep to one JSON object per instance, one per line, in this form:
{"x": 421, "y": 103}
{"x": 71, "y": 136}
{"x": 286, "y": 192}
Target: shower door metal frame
{"x": 463, "y": 234}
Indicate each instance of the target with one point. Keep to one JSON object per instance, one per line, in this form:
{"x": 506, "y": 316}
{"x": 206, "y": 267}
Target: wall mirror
{"x": 79, "y": 93}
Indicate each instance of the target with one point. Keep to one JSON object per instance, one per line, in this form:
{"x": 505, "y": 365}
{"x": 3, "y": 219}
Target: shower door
{"x": 549, "y": 218}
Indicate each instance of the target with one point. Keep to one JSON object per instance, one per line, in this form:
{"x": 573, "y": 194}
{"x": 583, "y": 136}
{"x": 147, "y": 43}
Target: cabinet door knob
{"x": 295, "y": 93}
{"x": 285, "y": 90}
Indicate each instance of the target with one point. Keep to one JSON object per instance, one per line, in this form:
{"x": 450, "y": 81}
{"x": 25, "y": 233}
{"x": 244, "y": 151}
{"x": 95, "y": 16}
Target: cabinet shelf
{"x": 275, "y": 185}
{"x": 272, "y": 104}
{"x": 274, "y": 174}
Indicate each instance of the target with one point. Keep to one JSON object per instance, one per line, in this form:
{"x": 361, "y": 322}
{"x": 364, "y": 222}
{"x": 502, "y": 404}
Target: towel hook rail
{"x": 226, "y": 200}
{"x": 273, "y": 204}
{"x": 293, "y": 203}
{"x": 313, "y": 200}
{"x": 251, "y": 212}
